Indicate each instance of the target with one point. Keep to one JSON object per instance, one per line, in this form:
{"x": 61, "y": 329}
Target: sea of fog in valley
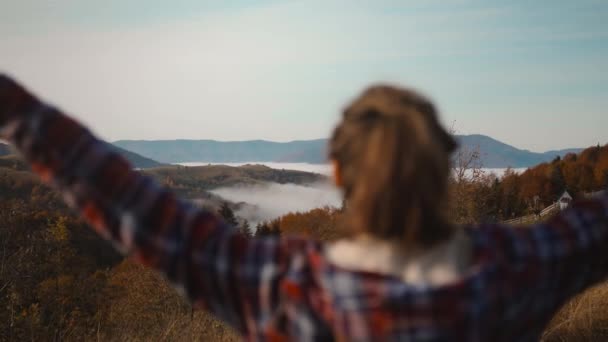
{"x": 324, "y": 169}
{"x": 271, "y": 200}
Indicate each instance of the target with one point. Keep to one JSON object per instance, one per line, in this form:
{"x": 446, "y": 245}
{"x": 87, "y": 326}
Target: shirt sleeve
{"x": 218, "y": 269}
{"x": 548, "y": 263}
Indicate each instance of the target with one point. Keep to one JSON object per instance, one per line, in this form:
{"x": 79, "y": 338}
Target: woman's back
{"x": 515, "y": 282}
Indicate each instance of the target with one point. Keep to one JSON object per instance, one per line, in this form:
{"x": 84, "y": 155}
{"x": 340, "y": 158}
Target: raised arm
{"x": 217, "y": 268}
{"x": 576, "y": 240}
{"x": 546, "y": 264}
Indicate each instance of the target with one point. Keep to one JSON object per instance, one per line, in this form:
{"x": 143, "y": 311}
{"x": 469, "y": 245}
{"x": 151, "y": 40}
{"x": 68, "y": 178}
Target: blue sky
{"x": 533, "y": 74}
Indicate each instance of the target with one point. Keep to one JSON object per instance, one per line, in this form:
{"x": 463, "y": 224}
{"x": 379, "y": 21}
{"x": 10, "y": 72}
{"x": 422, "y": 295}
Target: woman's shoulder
{"x": 444, "y": 263}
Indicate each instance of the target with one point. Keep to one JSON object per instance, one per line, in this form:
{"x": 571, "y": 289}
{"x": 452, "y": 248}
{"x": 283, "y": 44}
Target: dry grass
{"x": 584, "y": 318}
{"x": 147, "y": 308}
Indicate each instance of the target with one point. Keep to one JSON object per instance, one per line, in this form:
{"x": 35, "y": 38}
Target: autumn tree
{"x": 466, "y": 176}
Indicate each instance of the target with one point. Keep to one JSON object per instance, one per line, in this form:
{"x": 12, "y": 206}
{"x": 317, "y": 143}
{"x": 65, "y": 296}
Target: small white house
{"x": 564, "y": 200}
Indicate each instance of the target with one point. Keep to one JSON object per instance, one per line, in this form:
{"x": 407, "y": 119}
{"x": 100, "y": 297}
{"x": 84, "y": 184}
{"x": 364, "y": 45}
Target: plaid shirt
{"x": 284, "y": 288}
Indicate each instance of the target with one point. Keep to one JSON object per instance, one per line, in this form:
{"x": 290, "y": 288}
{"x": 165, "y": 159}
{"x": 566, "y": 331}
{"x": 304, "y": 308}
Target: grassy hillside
{"x": 66, "y": 283}
{"x": 60, "y": 281}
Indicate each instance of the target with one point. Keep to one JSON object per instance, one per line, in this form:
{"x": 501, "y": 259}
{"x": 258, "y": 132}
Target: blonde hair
{"x": 393, "y": 157}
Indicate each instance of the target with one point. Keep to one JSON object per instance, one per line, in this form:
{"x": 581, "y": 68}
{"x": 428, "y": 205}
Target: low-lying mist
{"x": 271, "y": 200}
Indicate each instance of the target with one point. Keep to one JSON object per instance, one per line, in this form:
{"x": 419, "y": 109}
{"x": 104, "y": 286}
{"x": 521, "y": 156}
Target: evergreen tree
{"x": 228, "y": 215}
{"x": 267, "y": 229}
{"x": 245, "y": 229}
{"x": 261, "y": 229}
{"x": 275, "y": 227}
{"x": 558, "y": 184}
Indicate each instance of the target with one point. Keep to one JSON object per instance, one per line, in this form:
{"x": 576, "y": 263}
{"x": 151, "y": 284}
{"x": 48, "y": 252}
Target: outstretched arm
{"x": 217, "y": 268}
{"x": 575, "y": 240}
{"x": 550, "y": 262}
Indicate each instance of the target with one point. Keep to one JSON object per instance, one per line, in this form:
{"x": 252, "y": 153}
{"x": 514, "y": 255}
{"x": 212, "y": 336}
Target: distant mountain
{"x": 182, "y": 151}
{"x": 135, "y": 159}
{"x": 494, "y": 154}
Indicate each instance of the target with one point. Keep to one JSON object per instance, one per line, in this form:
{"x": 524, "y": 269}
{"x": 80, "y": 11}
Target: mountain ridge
{"x": 135, "y": 159}
{"x": 494, "y": 153}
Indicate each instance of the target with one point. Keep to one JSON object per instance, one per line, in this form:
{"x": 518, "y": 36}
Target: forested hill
{"x": 63, "y": 282}
{"x": 494, "y": 154}
{"x": 194, "y": 182}
{"x": 60, "y": 281}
